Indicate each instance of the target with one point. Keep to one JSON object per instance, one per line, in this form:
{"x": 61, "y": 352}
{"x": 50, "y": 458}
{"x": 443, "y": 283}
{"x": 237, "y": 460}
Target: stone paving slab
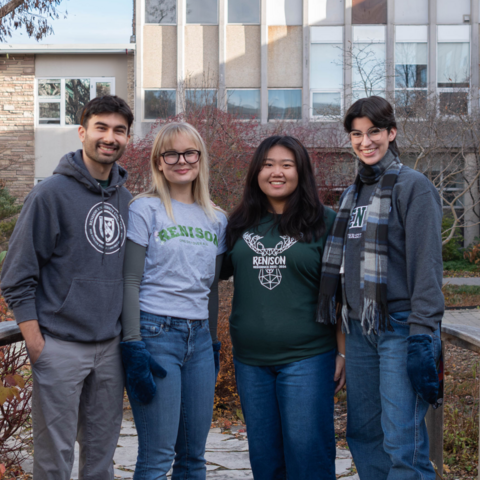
{"x": 462, "y": 317}
{"x": 227, "y": 456}
{"x": 474, "y": 281}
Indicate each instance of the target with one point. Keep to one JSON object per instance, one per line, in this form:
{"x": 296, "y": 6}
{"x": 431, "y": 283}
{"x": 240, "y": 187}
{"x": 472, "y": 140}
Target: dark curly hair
{"x": 106, "y": 104}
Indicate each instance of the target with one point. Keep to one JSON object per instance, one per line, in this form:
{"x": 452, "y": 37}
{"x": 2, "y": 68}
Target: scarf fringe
{"x": 374, "y": 317}
{"x": 326, "y": 310}
{"x": 345, "y": 328}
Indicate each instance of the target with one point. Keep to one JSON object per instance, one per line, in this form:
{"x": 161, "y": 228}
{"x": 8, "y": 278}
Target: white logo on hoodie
{"x": 104, "y": 228}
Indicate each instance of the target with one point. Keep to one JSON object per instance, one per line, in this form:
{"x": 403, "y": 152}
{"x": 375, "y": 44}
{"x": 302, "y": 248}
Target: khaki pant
{"x": 77, "y": 395}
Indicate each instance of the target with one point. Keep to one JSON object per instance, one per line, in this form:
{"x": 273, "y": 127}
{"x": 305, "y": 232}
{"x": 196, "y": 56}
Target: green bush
{"x": 453, "y": 250}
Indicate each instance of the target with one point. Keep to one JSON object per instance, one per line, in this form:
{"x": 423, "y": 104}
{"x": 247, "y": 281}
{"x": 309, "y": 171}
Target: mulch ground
{"x": 460, "y": 274}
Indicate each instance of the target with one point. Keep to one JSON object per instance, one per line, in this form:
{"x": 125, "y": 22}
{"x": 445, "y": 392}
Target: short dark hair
{"x": 106, "y": 104}
{"x": 303, "y": 217}
{"x": 378, "y": 110}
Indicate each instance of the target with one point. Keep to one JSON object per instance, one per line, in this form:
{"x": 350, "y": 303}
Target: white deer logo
{"x": 268, "y": 277}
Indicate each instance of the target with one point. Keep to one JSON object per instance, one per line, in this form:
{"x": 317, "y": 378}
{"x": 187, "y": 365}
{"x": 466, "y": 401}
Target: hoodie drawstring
{"x": 118, "y": 220}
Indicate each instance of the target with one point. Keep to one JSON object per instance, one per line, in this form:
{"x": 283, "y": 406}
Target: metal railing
{"x": 459, "y": 335}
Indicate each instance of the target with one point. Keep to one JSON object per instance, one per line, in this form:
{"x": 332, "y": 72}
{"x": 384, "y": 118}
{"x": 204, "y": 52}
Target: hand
{"x": 35, "y": 349}
{"x": 339, "y": 376}
{"x": 140, "y": 367}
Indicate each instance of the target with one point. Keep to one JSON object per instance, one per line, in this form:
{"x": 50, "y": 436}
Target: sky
{"x": 88, "y": 21}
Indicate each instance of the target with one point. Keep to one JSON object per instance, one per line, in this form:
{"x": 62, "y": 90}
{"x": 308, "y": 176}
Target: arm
{"x": 423, "y": 252}
{"x": 340, "y": 361}
{"x": 213, "y": 300}
{"x": 133, "y": 266}
{"x": 31, "y": 246}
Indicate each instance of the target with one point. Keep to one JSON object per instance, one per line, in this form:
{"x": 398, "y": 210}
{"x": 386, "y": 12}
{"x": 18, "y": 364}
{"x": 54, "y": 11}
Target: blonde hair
{"x": 160, "y": 188}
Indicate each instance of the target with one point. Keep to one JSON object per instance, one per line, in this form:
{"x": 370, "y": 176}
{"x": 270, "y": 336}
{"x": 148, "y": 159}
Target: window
{"x": 284, "y": 104}
{"x": 244, "y": 103}
{"x": 453, "y": 68}
{"x": 198, "y": 98}
{"x": 368, "y": 12}
{"x": 368, "y": 62}
{"x": 161, "y": 11}
{"x": 61, "y": 100}
{"x": 284, "y": 12}
{"x": 244, "y": 11}
{"x": 411, "y": 12}
{"x": 160, "y": 104}
{"x": 411, "y": 55}
{"x": 326, "y": 70}
{"x": 202, "y": 11}
{"x": 326, "y": 12}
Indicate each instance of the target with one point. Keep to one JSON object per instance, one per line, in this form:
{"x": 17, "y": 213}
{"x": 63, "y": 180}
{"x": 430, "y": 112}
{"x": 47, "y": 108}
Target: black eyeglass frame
{"x": 179, "y": 154}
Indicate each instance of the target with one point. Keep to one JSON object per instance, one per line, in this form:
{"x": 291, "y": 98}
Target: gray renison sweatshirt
{"x": 65, "y": 258}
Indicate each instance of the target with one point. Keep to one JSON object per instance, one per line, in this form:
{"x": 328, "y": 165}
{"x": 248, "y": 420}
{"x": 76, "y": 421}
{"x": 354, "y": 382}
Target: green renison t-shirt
{"x": 276, "y": 283}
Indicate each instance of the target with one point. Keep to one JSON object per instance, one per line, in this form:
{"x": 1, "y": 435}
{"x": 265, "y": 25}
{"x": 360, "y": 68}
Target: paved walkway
{"x": 227, "y": 456}
{"x": 475, "y": 281}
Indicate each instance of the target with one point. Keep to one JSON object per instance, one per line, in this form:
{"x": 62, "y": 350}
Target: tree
{"x": 34, "y": 15}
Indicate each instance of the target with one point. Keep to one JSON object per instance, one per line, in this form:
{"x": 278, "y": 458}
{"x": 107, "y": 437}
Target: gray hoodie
{"x": 65, "y": 258}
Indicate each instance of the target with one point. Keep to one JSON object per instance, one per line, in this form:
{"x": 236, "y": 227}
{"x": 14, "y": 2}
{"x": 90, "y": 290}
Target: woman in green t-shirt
{"x": 286, "y": 364}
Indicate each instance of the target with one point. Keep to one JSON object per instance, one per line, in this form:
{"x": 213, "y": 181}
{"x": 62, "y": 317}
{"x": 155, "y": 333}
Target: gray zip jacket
{"x": 65, "y": 258}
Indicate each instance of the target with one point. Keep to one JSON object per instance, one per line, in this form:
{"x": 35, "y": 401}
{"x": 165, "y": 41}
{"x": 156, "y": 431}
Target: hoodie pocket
{"x": 91, "y": 310}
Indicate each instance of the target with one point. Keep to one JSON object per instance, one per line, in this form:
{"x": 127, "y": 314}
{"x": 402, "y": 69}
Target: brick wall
{"x": 17, "y": 136}
{"x": 131, "y": 81}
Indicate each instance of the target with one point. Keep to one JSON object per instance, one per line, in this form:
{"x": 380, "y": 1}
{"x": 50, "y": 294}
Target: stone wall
{"x": 17, "y": 135}
{"x": 131, "y": 81}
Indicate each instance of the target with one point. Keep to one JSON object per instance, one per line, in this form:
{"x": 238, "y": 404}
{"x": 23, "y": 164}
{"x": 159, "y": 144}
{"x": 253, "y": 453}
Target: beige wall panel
{"x": 159, "y": 56}
{"x": 80, "y": 66}
{"x": 243, "y": 56}
{"x": 201, "y": 56}
{"x": 285, "y": 55}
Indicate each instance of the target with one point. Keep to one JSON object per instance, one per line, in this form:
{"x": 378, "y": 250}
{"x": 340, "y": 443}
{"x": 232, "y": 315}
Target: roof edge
{"x": 119, "y": 48}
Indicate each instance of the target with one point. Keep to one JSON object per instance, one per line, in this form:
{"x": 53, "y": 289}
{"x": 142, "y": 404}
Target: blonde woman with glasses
{"x": 175, "y": 243}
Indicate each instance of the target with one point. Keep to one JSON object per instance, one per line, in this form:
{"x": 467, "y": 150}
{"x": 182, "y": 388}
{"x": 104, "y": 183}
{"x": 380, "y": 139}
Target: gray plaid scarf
{"x": 374, "y": 256}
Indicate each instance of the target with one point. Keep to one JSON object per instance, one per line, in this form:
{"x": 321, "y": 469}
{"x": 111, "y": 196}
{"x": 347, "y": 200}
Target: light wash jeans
{"x": 386, "y": 430}
{"x": 175, "y": 425}
{"x": 288, "y": 410}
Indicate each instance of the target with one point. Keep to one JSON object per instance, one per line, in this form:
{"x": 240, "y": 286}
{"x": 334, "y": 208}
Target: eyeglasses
{"x": 373, "y": 134}
{"x": 172, "y": 157}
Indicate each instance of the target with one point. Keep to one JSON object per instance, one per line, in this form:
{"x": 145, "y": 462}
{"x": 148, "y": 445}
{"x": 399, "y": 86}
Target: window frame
{"x": 273, "y": 120}
{"x": 326, "y": 90}
{"x": 259, "y": 116}
{"x": 61, "y": 100}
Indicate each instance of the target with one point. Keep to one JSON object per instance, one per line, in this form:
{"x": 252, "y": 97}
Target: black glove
{"x": 423, "y": 354}
{"x": 139, "y": 366}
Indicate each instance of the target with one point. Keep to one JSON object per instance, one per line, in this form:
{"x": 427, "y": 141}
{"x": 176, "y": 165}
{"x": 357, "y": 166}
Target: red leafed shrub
{"x": 15, "y": 396}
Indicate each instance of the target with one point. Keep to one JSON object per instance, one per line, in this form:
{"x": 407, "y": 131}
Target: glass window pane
{"x": 411, "y": 65}
{"x": 244, "y": 11}
{"x": 368, "y": 67}
{"x": 202, "y": 11}
{"x": 366, "y": 12}
{"x": 285, "y": 104}
{"x": 160, "y": 104}
{"x": 77, "y": 95}
{"x": 284, "y": 12}
{"x": 244, "y": 103}
{"x": 161, "y": 11}
{"x": 103, "y": 88}
{"x": 326, "y": 65}
{"x": 453, "y": 64}
{"x": 49, "y": 88}
{"x": 452, "y": 103}
{"x": 327, "y": 104}
{"x": 411, "y": 103}
{"x": 200, "y": 98}
{"x": 49, "y": 113}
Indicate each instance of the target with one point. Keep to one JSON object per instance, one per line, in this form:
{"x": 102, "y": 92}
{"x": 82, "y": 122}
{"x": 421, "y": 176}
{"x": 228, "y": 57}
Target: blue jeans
{"x": 288, "y": 410}
{"x": 386, "y": 430}
{"x": 175, "y": 425}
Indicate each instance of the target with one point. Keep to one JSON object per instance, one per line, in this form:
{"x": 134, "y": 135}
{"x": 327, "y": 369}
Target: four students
{"x": 376, "y": 269}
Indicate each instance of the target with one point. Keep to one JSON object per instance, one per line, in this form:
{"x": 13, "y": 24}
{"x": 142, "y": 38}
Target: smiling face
{"x": 371, "y": 151}
{"x": 182, "y": 173}
{"x": 278, "y": 178}
{"x": 104, "y": 139}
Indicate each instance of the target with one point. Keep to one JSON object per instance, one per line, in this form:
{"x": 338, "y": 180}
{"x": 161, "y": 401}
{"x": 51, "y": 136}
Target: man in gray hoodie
{"x": 63, "y": 279}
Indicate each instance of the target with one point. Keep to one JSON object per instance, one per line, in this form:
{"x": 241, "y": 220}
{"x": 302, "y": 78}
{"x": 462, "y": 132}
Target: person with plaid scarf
{"x": 383, "y": 265}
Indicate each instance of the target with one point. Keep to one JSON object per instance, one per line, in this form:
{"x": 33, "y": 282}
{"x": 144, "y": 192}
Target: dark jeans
{"x": 288, "y": 410}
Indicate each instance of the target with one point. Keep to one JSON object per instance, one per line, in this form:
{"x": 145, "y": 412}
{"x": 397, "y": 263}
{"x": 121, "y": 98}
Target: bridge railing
{"x": 462, "y": 336}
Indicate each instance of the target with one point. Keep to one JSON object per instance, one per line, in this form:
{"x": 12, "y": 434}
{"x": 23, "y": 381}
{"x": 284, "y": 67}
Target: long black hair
{"x": 303, "y": 216}
{"x": 378, "y": 111}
